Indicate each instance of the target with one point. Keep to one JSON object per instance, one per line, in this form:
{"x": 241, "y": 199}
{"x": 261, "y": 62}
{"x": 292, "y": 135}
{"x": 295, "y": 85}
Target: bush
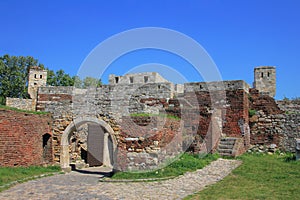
{"x": 252, "y": 112}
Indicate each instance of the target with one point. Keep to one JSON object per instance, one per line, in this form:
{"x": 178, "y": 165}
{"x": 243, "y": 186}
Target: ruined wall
{"x": 25, "y": 139}
{"x": 222, "y": 111}
{"x": 274, "y": 123}
{"x": 148, "y": 141}
{"x": 23, "y": 104}
{"x": 291, "y": 131}
{"x": 289, "y": 106}
{"x": 279, "y": 129}
{"x": 108, "y": 103}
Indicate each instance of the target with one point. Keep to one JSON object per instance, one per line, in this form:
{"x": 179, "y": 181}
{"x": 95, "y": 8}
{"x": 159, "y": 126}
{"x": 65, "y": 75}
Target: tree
{"x": 60, "y": 78}
{"x": 91, "y": 82}
{"x": 77, "y": 81}
{"x": 14, "y": 76}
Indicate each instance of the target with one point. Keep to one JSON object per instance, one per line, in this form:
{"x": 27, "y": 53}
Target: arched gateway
{"x": 108, "y": 160}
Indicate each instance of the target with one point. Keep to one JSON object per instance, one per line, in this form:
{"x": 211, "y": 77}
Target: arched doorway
{"x": 100, "y": 127}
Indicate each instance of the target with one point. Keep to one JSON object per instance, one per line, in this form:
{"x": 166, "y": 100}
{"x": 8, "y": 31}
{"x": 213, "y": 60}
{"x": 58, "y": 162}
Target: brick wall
{"x": 21, "y": 139}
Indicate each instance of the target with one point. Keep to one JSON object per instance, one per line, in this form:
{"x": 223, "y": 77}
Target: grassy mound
{"x": 259, "y": 177}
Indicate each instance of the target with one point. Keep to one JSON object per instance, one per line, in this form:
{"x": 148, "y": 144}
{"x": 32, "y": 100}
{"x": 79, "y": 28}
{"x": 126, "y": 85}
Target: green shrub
{"x": 252, "y": 112}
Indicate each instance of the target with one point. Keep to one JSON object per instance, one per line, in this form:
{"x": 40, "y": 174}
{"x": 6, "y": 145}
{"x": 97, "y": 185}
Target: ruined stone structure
{"x": 138, "y": 121}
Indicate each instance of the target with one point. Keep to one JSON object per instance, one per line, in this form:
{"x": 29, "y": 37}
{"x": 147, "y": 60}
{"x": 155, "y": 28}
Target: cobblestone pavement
{"x": 76, "y": 185}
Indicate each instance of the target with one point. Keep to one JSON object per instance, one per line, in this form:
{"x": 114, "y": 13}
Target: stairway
{"x": 231, "y": 146}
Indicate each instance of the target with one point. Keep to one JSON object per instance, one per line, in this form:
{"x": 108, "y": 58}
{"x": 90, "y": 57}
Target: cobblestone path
{"x": 86, "y": 186}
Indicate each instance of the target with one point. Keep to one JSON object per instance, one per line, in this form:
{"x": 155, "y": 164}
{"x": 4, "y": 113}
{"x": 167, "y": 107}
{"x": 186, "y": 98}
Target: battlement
{"x": 145, "y": 77}
{"x": 216, "y": 86}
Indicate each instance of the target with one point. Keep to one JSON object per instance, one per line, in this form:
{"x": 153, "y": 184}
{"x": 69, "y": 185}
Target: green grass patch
{"x": 154, "y": 115}
{"x": 259, "y": 177}
{"x": 9, "y": 175}
{"x": 185, "y": 163}
{"x": 25, "y": 111}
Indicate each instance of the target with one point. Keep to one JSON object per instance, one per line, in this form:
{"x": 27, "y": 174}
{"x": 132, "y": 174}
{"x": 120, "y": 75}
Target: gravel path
{"x": 86, "y": 186}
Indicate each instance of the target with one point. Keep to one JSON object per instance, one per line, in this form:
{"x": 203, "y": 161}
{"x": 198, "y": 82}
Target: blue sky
{"x": 238, "y": 35}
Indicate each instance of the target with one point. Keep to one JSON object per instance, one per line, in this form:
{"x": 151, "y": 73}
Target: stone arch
{"x": 65, "y": 139}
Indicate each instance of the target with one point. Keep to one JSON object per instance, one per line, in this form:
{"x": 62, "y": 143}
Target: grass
{"x": 259, "y": 177}
{"x": 185, "y": 163}
{"x": 25, "y": 111}
{"x": 154, "y": 115}
{"x": 11, "y": 175}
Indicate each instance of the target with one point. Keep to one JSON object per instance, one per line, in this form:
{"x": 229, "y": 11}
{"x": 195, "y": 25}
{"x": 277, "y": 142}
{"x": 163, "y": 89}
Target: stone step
{"x": 225, "y": 146}
{"x": 228, "y": 139}
{"x": 226, "y": 154}
{"x": 225, "y": 151}
{"x": 229, "y": 142}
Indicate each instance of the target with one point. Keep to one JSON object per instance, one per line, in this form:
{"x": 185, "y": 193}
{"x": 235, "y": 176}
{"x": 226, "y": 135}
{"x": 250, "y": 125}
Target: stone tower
{"x": 265, "y": 80}
{"x": 37, "y": 77}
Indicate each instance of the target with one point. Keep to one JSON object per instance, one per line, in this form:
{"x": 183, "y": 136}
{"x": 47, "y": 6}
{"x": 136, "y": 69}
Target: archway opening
{"x": 88, "y": 142}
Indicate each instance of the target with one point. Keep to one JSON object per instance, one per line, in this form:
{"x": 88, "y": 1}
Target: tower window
{"x": 146, "y": 78}
{"x": 268, "y": 74}
{"x": 262, "y": 74}
{"x": 131, "y": 79}
{"x": 117, "y": 79}
{"x": 41, "y": 76}
{"x": 34, "y": 75}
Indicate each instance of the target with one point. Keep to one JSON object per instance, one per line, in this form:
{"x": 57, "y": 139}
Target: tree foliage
{"x": 91, "y": 82}
{"x": 59, "y": 78}
{"x": 14, "y": 76}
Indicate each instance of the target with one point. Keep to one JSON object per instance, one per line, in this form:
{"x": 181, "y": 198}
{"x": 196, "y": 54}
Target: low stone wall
{"x": 23, "y": 104}
{"x": 25, "y": 139}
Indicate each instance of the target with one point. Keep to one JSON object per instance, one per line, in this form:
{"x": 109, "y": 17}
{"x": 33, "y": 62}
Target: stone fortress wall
{"x": 202, "y": 114}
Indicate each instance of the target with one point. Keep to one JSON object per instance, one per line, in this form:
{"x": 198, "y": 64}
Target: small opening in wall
{"x": 146, "y": 78}
{"x": 158, "y": 86}
{"x": 201, "y": 87}
{"x": 117, "y": 79}
{"x": 131, "y": 79}
{"x": 46, "y": 138}
{"x": 268, "y": 74}
{"x": 262, "y": 74}
{"x": 34, "y": 75}
{"x": 34, "y": 83}
{"x": 41, "y": 76}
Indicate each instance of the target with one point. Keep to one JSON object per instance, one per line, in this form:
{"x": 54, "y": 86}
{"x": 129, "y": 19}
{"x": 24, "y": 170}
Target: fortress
{"x": 138, "y": 121}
